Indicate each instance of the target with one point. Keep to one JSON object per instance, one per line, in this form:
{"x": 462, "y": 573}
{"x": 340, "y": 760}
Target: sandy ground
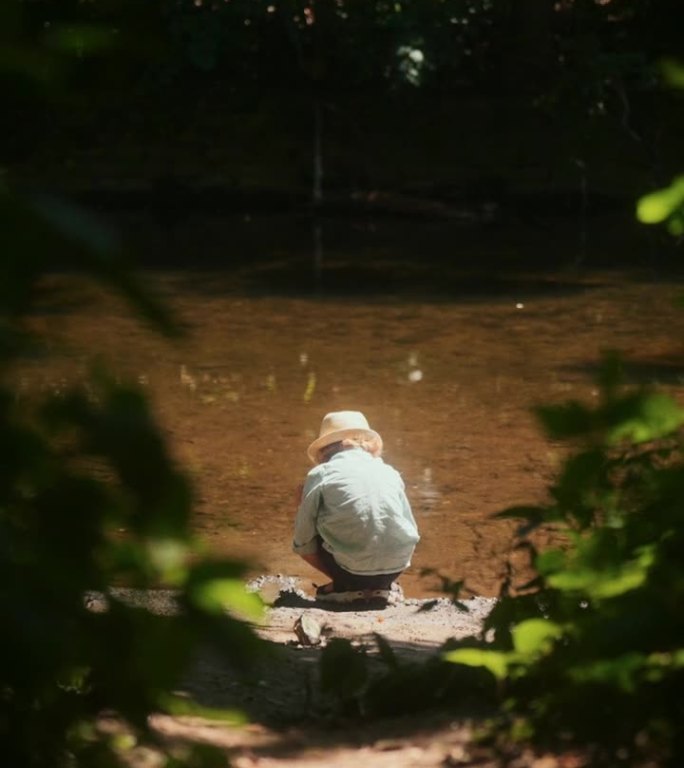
{"x": 292, "y": 724}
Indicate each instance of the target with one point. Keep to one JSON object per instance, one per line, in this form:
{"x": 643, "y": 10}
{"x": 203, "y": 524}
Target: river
{"x": 445, "y": 337}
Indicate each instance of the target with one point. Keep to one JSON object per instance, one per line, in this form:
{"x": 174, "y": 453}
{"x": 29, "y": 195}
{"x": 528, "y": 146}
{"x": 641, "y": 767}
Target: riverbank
{"x": 290, "y": 722}
{"x": 283, "y": 687}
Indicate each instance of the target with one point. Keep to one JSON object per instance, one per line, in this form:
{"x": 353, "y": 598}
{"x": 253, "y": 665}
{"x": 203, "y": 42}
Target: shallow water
{"x": 445, "y": 355}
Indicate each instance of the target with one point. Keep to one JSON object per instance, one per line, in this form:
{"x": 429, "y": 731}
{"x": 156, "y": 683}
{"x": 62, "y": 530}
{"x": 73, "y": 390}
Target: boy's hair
{"x": 328, "y": 451}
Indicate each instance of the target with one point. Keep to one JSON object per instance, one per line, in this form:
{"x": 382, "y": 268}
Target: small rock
{"x": 396, "y": 594}
{"x": 456, "y": 756}
{"x": 96, "y": 603}
{"x": 308, "y": 630}
{"x": 272, "y": 588}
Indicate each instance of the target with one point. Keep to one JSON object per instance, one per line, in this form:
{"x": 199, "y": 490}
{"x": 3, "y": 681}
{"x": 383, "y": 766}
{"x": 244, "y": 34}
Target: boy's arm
{"x": 305, "y": 532}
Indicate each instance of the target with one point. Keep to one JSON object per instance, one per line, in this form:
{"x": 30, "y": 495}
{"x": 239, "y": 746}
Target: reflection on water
{"x": 415, "y": 374}
{"x": 447, "y": 375}
{"x": 427, "y": 492}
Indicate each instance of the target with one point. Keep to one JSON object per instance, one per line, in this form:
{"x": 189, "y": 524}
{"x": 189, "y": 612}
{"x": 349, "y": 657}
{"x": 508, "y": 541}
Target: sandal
{"x": 324, "y": 589}
{"x": 379, "y": 596}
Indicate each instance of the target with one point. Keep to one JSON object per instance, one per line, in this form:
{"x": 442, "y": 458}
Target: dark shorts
{"x": 344, "y": 581}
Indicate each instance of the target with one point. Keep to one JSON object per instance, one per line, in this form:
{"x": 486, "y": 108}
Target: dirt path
{"x": 291, "y": 723}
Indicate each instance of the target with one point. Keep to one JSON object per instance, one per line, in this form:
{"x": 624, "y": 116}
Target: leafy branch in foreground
{"x": 90, "y": 499}
{"x": 666, "y": 205}
{"x": 592, "y": 649}
{"x": 595, "y": 649}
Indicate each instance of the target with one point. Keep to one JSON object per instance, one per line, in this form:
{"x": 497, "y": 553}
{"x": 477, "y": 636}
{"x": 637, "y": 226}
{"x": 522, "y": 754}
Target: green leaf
{"x": 170, "y": 558}
{"x": 673, "y": 72}
{"x": 568, "y": 420}
{"x": 605, "y": 583}
{"x": 497, "y": 662}
{"x": 657, "y": 206}
{"x": 219, "y": 595}
{"x": 180, "y": 706}
{"x": 123, "y": 742}
{"x": 550, "y": 561}
{"x": 621, "y": 671}
{"x": 653, "y": 416}
{"x": 660, "y": 664}
{"x": 576, "y": 487}
{"x": 534, "y": 637}
{"x": 675, "y": 226}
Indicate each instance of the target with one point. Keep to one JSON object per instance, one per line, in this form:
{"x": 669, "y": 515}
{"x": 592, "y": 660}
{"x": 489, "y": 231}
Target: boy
{"x": 354, "y": 522}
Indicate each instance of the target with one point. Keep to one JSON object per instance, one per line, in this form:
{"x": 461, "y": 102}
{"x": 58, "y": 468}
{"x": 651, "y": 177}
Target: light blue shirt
{"x": 357, "y": 504}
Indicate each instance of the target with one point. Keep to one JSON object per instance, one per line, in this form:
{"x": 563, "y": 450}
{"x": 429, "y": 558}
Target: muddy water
{"x": 446, "y": 362}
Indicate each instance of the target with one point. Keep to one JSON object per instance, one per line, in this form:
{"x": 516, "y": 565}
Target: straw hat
{"x": 339, "y": 425}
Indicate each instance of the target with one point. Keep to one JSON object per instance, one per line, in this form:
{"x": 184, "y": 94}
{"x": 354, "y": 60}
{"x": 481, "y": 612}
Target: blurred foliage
{"x": 383, "y": 684}
{"x": 591, "y": 650}
{"x": 344, "y": 672}
{"x": 593, "y": 647}
{"x": 666, "y": 206}
{"x": 90, "y": 499}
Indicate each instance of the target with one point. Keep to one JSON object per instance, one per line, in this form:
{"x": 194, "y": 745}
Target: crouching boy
{"x": 354, "y": 521}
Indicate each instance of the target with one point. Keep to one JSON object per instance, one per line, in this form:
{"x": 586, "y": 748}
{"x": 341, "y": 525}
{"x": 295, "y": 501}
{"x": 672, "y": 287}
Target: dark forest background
{"x": 486, "y": 102}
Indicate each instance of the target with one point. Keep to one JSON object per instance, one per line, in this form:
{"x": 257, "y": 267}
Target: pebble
{"x": 308, "y": 630}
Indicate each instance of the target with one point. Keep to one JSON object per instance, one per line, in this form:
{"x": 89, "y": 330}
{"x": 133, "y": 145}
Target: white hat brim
{"x": 341, "y": 434}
